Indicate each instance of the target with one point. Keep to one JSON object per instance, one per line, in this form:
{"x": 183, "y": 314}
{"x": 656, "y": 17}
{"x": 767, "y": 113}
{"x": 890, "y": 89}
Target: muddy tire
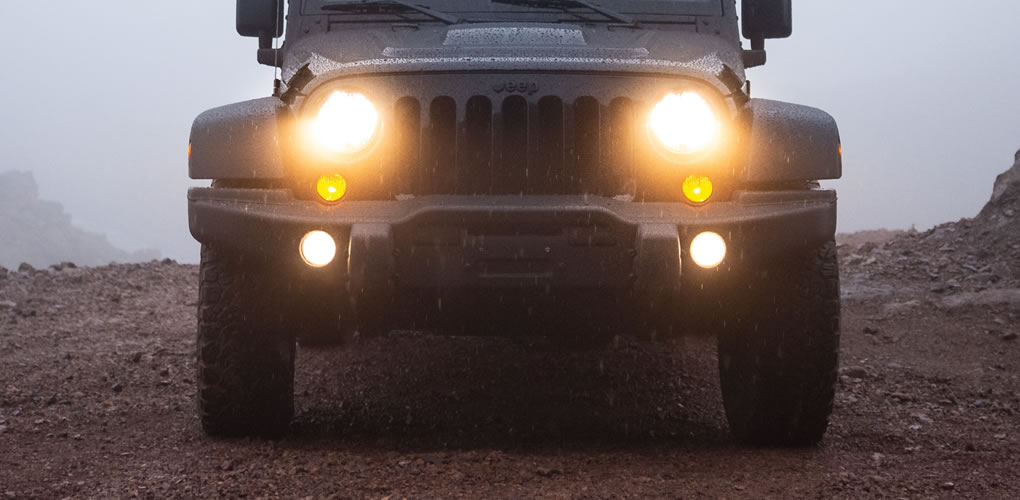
{"x": 245, "y": 354}
{"x": 778, "y": 357}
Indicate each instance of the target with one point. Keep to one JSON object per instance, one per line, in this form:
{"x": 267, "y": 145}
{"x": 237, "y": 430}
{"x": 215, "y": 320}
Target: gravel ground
{"x": 97, "y": 395}
{"x": 97, "y": 391}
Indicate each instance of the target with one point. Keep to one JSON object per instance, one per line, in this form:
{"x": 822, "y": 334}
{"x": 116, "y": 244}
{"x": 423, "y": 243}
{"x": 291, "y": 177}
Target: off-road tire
{"x": 778, "y": 357}
{"x": 245, "y": 354}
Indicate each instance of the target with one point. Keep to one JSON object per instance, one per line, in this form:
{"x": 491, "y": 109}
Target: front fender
{"x": 790, "y": 143}
{"x": 239, "y": 141}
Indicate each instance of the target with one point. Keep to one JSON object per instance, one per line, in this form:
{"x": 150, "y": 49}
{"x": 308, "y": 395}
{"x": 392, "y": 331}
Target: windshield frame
{"x": 476, "y": 9}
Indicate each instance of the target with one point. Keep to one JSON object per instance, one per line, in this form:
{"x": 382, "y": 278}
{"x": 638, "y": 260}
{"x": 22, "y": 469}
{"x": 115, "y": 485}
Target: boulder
{"x": 1005, "y": 202}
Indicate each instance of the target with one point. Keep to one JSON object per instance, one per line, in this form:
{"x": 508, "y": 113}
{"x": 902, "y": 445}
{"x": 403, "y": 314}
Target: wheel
{"x": 778, "y": 357}
{"x": 245, "y": 352}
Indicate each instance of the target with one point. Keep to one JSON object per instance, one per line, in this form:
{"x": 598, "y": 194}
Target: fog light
{"x": 698, "y": 188}
{"x": 708, "y": 250}
{"x": 318, "y": 249}
{"x": 331, "y": 187}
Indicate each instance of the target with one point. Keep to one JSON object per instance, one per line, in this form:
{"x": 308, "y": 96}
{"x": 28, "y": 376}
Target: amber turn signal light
{"x": 331, "y": 188}
{"x": 698, "y": 188}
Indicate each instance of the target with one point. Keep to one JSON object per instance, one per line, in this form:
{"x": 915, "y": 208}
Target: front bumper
{"x": 540, "y": 242}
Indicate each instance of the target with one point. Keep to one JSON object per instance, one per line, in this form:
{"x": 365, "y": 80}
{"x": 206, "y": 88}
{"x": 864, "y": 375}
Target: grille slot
{"x": 549, "y": 146}
{"x": 512, "y": 176}
{"x": 475, "y": 160}
{"x": 514, "y": 146}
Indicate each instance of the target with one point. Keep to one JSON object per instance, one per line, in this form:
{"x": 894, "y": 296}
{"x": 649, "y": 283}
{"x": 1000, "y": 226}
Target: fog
{"x": 100, "y": 97}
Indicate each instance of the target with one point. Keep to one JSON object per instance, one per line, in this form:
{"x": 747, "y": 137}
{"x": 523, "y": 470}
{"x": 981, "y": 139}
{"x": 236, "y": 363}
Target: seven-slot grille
{"x": 512, "y": 146}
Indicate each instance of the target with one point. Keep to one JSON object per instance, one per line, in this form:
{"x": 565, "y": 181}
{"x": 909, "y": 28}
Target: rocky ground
{"x": 97, "y": 396}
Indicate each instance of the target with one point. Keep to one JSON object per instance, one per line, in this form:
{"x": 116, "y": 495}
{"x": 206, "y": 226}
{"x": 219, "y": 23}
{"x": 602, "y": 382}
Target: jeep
{"x": 571, "y": 169}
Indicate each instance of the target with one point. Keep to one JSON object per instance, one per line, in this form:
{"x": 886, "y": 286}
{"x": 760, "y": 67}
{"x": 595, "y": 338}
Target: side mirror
{"x": 764, "y": 19}
{"x": 260, "y": 18}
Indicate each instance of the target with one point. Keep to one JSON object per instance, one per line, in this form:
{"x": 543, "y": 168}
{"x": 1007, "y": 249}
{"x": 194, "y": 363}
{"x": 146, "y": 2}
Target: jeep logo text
{"x": 516, "y": 87}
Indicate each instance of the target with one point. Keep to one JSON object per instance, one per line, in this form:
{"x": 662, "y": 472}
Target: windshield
{"x": 486, "y": 10}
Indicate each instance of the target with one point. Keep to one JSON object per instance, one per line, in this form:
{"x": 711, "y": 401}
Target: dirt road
{"x": 97, "y": 390}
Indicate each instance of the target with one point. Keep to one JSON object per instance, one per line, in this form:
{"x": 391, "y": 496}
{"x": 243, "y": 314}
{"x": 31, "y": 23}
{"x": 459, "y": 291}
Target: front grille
{"x": 514, "y": 146}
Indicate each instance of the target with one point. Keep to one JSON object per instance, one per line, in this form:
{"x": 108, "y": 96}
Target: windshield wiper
{"x": 566, "y": 4}
{"x": 361, "y": 4}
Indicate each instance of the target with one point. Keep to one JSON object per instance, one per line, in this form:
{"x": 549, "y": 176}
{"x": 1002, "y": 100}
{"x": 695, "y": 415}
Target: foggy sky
{"x": 100, "y": 97}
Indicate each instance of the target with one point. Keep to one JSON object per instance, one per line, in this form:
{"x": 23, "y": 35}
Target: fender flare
{"x": 240, "y": 141}
{"x": 791, "y": 143}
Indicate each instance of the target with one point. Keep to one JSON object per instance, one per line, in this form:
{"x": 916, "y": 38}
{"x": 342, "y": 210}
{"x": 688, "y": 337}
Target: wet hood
{"x": 517, "y": 47}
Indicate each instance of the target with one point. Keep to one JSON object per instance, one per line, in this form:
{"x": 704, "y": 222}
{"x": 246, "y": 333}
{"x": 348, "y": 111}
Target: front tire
{"x": 778, "y": 358}
{"x": 245, "y": 354}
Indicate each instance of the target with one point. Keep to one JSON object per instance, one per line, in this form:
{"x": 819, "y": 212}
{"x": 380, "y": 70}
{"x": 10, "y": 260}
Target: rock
{"x": 983, "y": 278}
{"x": 948, "y": 485}
{"x": 923, "y": 418}
{"x": 895, "y": 308}
{"x": 25, "y": 267}
{"x": 1002, "y": 270}
{"x": 117, "y": 387}
{"x": 901, "y": 397}
{"x": 1009, "y": 336}
{"x": 870, "y": 330}
{"x": 877, "y": 459}
{"x": 857, "y": 372}
{"x": 992, "y": 297}
{"x": 547, "y": 472}
{"x": 1007, "y": 183}
{"x": 6, "y": 304}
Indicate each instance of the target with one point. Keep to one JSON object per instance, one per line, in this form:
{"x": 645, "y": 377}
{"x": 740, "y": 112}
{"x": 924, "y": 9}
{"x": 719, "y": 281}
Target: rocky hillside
{"x": 970, "y": 256}
{"x": 40, "y": 233}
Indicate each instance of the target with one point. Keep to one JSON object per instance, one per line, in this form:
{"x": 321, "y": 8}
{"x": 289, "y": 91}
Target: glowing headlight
{"x": 684, "y": 124}
{"x": 347, "y": 124}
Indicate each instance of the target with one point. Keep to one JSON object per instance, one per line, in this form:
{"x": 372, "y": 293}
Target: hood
{"x": 516, "y": 47}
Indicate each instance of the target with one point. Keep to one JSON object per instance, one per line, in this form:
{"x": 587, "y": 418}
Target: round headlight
{"x": 346, "y": 124}
{"x": 684, "y": 124}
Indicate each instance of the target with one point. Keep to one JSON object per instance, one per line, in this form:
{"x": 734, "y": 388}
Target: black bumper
{"x": 451, "y": 242}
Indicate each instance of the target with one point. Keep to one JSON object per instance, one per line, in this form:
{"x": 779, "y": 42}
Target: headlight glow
{"x": 346, "y": 124}
{"x": 708, "y": 250}
{"x": 684, "y": 124}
